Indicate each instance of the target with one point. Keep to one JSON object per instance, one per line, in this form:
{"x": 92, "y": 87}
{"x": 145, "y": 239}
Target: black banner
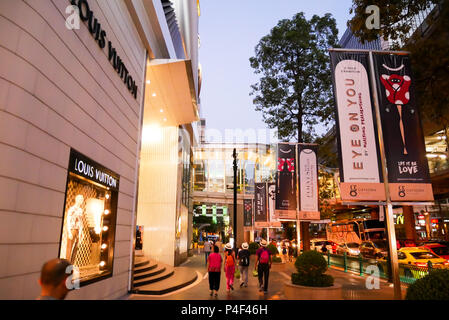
{"x": 408, "y": 171}
{"x": 247, "y": 212}
{"x": 260, "y": 199}
{"x": 286, "y": 181}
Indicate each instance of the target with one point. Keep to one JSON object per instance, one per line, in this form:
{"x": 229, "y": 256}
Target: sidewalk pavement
{"x": 353, "y": 285}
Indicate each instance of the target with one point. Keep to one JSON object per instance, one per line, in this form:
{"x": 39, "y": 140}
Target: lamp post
{"x": 234, "y": 155}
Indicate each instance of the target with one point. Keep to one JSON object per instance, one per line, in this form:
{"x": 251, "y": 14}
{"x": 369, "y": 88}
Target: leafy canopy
{"x": 294, "y": 90}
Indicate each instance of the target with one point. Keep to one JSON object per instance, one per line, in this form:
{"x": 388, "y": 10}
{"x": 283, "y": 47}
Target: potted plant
{"x": 310, "y": 281}
{"x": 252, "y": 247}
{"x": 434, "y": 286}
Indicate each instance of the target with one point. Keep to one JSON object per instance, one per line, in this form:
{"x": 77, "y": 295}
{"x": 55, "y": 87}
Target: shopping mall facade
{"x": 98, "y": 108}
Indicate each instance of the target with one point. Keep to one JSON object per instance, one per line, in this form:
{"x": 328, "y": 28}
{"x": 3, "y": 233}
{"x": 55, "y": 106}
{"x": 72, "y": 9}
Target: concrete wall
{"x": 58, "y": 90}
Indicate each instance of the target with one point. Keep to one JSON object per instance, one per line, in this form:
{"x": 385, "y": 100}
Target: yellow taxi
{"x": 420, "y": 257}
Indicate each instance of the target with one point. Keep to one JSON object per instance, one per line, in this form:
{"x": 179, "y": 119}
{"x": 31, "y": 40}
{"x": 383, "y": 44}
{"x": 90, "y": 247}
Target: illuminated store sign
{"x": 90, "y": 214}
{"x": 91, "y": 170}
{"x": 99, "y": 35}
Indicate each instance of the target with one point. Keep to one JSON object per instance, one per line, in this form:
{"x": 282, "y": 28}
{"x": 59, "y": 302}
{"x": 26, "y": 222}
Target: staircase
{"x": 155, "y": 278}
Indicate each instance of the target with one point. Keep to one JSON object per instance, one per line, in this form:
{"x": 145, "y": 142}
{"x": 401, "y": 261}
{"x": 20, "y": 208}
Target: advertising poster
{"x": 408, "y": 172}
{"x": 260, "y": 199}
{"x": 274, "y": 222}
{"x": 360, "y": 169}
{"x": 309, "y": 208}
{"x": 247, "y": 212}
{"x": 286, "y": 181}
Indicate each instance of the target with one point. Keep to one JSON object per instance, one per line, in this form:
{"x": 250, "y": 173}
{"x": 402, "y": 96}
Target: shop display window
{"x": 90, "y": 211}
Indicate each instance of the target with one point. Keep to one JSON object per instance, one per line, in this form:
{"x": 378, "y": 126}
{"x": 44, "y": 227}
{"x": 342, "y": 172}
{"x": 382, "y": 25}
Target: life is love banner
{"x": 360, "y": 168}
{"x": 405, "y": 150}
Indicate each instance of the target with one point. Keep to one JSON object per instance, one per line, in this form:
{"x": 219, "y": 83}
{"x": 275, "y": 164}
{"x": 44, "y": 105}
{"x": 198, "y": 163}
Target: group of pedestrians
{"x": 231, "y": 261}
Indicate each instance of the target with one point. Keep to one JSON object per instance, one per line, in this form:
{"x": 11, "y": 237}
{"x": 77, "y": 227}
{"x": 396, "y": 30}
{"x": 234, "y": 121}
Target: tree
{"x": 395, "y": 17}
{"x": 430, "y": 45}
{"x": 294, "y": 91}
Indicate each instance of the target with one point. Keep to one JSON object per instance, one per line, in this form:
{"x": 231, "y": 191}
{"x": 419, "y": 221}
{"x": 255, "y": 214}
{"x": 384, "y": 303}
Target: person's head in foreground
{"x": 53, "y": 280}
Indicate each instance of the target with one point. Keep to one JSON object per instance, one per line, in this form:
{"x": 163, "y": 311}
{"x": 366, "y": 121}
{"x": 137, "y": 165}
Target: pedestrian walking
{"x": 263, "y": 265}
{"x": 243, "y": 257}
{"x": 214, "y": 268}
{"x": 284, "y": 253}
{"x": 53, "y": 279}
{"x": 290, "y": 252}
{"x": 207, "y": 249}
{"x": 229, "y": 266}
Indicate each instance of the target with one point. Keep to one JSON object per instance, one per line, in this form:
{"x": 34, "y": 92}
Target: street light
{"x": 234, "y": 155}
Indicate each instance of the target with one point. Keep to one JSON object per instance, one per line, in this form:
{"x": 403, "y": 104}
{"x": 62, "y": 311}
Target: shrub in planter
{"x": 252, "y": 247}
{"x": 273, "y": 250}
{"x": 434, "y": 286}
{"x": 276, "y": 259}
{"x": 200, "y": 243}
{"x": 311, "y": 267}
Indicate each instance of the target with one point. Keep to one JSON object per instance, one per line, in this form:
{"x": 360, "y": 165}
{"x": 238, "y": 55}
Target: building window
{"x": 88, "y": 232}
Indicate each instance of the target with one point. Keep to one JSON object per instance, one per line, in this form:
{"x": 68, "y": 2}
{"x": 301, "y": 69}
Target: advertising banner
{"x": 408, "y": 171}
{"x": 286, "y": 181}
{"x": 274, "y": 222}
{"x": 260, "y": 199}
{"x": 247, "y": 212}
{"x": 360, "y": 169}
{"x": 309, "y": 208}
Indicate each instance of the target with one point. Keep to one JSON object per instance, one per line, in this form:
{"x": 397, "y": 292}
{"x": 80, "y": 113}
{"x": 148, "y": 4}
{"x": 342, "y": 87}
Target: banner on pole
{"x": 285, "y": 204}
{"x": 274, "y": 222}
{"x": 408, "y": 171}
{"x": 260, "y": 199}
{"x": 360, "y": 169}
{"x": 248, "y": 213}
{"x": 309, "y": 208}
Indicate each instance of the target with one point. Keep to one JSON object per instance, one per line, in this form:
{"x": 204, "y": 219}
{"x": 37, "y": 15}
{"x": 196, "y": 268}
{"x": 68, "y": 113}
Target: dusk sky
{"x": 229, "y": 32}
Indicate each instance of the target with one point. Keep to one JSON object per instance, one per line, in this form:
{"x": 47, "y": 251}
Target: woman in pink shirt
{"x": 214, "y": 267}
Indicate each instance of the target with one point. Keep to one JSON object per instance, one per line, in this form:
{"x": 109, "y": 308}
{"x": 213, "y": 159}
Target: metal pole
{"x": 298, "y": 223}
{"x": 234, "y": 155}
{"x": 389, "y": 212}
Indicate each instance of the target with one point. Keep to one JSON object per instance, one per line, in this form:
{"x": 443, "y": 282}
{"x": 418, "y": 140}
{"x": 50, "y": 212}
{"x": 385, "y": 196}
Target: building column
{"x": 409, "y": 223}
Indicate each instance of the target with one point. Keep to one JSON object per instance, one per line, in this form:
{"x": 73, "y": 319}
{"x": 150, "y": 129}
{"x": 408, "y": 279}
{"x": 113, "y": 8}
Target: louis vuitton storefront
{"x": 75, "y": 105}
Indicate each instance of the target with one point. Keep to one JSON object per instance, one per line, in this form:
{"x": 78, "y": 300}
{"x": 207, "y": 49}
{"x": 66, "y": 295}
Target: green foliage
{"x": 429, "y": 45}
{"x": 200, "y": 243}
{"x": 311, "y": 267}
{"x": 272, "y": 248}
{"x": 395, "y": 18}
{"x": 294, "y": 90}
{"x": 434, "y": 286}
{"x": 252, "y": 247}
{"x": 276, "y": 259}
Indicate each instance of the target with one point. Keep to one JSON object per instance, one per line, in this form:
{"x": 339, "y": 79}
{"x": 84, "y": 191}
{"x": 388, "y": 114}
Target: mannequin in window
{"x": 74, "y": 227}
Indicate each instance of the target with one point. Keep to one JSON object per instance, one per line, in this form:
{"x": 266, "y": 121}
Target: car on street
{"x": 317, "y": 244}
{"x": 351, "y": 248}
{"x": 405, "y": 243}
{"x": 420, "y": 258}
{"x": 374, "y": 249}
{"x": 438, "y": 249}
